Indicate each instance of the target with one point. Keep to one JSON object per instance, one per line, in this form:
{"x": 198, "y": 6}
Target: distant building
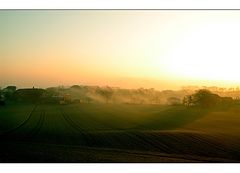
{"x": 66, "y": 99}
{"x": 61, "y": 99}
{"x": 56, "y": 98}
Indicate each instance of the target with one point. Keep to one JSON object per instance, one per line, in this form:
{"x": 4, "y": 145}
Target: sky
{"x": 162, "y": 49}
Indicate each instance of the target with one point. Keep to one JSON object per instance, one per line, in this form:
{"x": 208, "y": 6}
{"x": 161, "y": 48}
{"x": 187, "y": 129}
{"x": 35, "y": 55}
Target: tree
{"x": 173, "y": 101}
{"x": 75, "y": 87}
{"x": 8, "y": 92}
{"x": 11, "y": 88}
{"x": 107, "y": 93}
{"x": 206, "y": 99}
{"x": 227, "y": 101}
{"x": 2, "y": 100}
{"x": 188, "y": 100}
{"x": 29, "y": 95}
{"x": 202, "y": 98}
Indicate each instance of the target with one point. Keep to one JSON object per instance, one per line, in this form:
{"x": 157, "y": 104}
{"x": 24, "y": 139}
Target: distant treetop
{"x": 75, "y": 86}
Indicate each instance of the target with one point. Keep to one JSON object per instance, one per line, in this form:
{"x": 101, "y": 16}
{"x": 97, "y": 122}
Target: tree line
{"x": 95, "y": 94}
{"x": 206, "y": 99}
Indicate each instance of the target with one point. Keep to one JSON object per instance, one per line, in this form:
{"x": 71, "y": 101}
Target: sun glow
{"x": 120, "y": 48}
{"x": 209, "y": 52}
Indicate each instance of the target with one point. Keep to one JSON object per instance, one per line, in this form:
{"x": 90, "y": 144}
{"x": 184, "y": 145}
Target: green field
{"x": 118, "y": 133}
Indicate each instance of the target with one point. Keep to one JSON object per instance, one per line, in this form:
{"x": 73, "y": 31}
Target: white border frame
{"x": 119, "y": 4}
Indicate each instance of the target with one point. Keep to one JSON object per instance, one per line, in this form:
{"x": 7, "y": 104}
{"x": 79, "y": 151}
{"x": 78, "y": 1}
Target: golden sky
{"x": 163, "y": 49}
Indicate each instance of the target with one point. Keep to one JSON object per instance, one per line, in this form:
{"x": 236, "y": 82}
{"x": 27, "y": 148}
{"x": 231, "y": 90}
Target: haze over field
{"x": 129, "y": 49}
{"x": 117, "y": 86}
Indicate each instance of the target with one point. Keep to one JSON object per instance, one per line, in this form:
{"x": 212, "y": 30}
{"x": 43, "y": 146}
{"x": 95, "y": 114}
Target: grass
{"x": 191, "y": 134}
{"x": 225, "y": 122}
{"x": 12, "y": 115}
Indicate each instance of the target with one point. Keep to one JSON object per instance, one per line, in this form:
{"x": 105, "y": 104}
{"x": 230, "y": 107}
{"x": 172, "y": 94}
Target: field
{"x": 118, "y": 133}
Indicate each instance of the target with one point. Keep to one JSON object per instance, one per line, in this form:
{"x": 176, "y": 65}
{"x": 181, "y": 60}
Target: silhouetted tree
{"x": 29, "y": 95}
{"x": 203, "y": 98}
{"x": 106, "y": 93}
{"x": 188, "y": 100}
{"x": 227, "y": 101}
{"x": 8, "y": 92}
{"x": 206, "y": 99}
{"x": 11, "y": 88}
{"x": 75, "y": 87}
{"x": 2, "y": 100}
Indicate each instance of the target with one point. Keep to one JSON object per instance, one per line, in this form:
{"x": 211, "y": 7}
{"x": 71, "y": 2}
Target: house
{"x": 66, "y": 99}
{"x": 55, "y": 99}
{"x": 61, "y": 99}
